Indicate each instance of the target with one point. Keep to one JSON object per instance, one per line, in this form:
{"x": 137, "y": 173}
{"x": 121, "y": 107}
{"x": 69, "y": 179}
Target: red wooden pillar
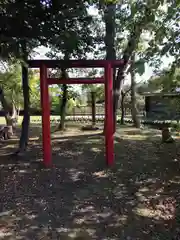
{"x": 45, "y": 105}
{"x": 109, "y": 138}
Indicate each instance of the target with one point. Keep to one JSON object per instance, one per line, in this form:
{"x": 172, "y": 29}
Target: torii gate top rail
{"x": 74, "y": 63}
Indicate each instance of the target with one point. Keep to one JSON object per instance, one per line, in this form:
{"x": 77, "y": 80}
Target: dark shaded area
{"x": 160, "y": 106}
{"x": 137, "y": 199}
{"x": 23, "y": 143}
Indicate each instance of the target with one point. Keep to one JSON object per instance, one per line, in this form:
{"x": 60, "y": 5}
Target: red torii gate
{"x": 45, "y": 81}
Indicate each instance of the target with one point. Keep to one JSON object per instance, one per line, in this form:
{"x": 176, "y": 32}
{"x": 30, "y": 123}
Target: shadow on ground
{"x": 80, "y": 198}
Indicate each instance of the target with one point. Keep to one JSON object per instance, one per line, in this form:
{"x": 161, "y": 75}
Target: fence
{"x": 79, "y": 111}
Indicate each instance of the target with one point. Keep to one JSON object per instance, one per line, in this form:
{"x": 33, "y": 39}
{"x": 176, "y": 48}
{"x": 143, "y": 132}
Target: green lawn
{"x": 33, "y": 119}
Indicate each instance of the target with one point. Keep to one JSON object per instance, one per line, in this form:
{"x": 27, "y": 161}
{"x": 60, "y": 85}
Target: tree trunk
{"x": 109, "y": 40}
{"x": 23, "y": 143}
{"x": 7, "y": 131}
{"x": 18, "y": 112}
{"x": 63, "y": 107}
{"x": 5, "y": 106}
{"x": 122, "y": 108}
{"x": 134, "y": 111}
{"x": 14, "y": 112}
{"x": 119, "y": 81}
{"x": 109, "y": 18}
{"x": 64, "y": 75}
{"x": 93, "y": 105}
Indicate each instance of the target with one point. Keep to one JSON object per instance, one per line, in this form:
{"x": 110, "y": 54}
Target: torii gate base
{"x": 45, "y": 81}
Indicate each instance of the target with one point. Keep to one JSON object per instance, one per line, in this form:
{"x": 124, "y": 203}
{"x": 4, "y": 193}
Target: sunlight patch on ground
{"x": 118, "y": 220}
{"x": 91, "y": 216}
{"x": 34, "y": 138}
{"x": 134, "y": 137}
{"x": 141, "y": 197}
{"x": 175, "y": 180}
{"x": 76, "y": 233}
{"x": 93, "y": 140}
{"x": 146, "y": 194}
{"x": 100, "y": 174}
{"x": 9, "y": 166}
{"x": 8, "y": 146}
{"x": 147, "y": 181}
{"x": 96, "y": 149}
{"x": 137, "y": 134}
{"x": 157, "y": 214}
{"x": 75, "y": 174}
{"x": 4, "y": 234}
{"x": 120, "y": 191}
{"x": 144, "y": 189}
{"x": 60, "y": 140}
{"x": 161, "y": 209}
{"x": 6, "y": 213}
{"x": 30, "y": 216}
{"x": 7, "y": 221}
{"x": 75, "y": 132}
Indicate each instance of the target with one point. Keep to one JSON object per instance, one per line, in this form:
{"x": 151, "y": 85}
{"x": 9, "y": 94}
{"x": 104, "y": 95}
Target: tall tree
{"x": 94, "y": 93}
{"x": 64, "y": 100}
{"x": 130, "y": 19}
{"x": 75, "y": 40}
{"x": 164, "y": 35}
{"x": 141, "y": 14}
{"x": 39, "y": 22}
{"x": 124, "y": 93}
{"x": 134, "y": 111}
{"x": 26, "y": 96}
{"x": 110, "y": 35}
{"x": 10, "y": 95}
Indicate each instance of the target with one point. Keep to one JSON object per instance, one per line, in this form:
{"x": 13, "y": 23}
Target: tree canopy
{"x": 144, "y": 31}
{"x": 53, "y": 23}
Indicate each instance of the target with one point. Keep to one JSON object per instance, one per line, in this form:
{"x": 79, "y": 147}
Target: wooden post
{"x": 109, "y": 126}
{"x": 46, "y": 133}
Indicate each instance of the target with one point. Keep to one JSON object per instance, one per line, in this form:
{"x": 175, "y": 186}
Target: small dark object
{"x": 5, "y": 132}
{"x": 166, "y": 135}
{"x": 89, "y": 128}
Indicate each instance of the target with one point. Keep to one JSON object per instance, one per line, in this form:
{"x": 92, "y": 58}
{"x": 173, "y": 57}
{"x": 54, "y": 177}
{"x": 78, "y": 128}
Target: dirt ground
{"x": 80, "y": 198}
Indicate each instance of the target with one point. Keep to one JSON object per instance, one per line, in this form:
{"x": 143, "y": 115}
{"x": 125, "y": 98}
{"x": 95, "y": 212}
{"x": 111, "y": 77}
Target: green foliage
{"x": 164, "y": 30}
{"x": 71, "y": 35}
{"x": 34, "y": 83}
{"x": 95, "y": 88}
{"x": 10, "y": 82}
{"x": 175, "y": 126}
{"x": 139, "y": 67}
{"x": 70, "y": 105}
{"x": 154, "y": 25}
{"x": 56, "y": 93}
{"x": 166, "y": 81}
{"x": 67, "y": 28}
{"x": 59, "y": 24}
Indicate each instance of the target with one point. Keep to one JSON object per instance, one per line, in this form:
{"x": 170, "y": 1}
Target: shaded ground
{"x": 81, "y": 199}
